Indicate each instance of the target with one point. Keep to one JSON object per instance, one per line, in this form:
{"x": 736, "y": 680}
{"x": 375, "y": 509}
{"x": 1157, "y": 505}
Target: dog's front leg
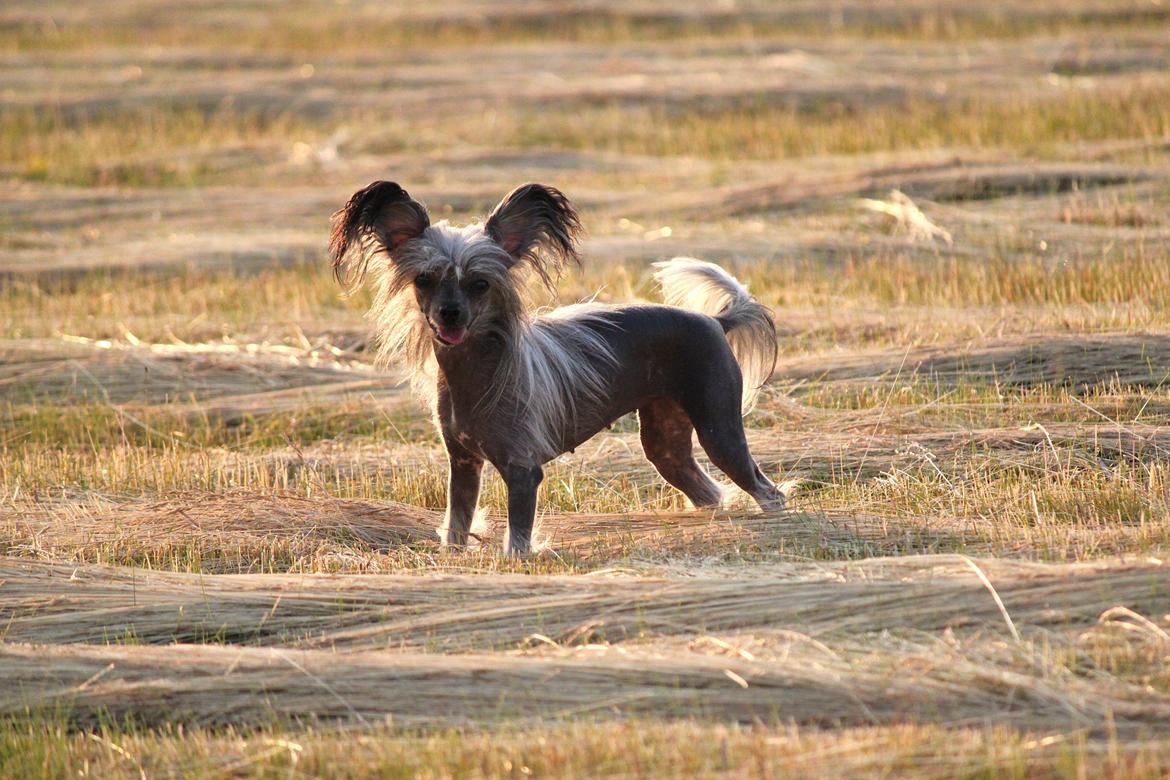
{"x": 522, "y": 483}
{"x": 462, "y": 495}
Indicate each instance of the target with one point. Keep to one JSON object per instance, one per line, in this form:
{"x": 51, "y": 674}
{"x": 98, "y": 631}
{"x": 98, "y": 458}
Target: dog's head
{"x": 463, "y": 278}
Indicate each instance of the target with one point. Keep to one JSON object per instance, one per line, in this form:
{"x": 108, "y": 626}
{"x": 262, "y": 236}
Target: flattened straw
{"x": 908, "y": 217}
{"x": 1148, "y": 439}
{"x": 735, "y": 678}
{"x": 998, "y": 601}
{"x": 99, "y": 675}
{"x": 1122, "y": 616}
{"x": 341, "y": 699}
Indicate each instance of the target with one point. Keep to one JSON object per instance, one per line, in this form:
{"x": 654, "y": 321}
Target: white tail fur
{"x": 705, "y": 287}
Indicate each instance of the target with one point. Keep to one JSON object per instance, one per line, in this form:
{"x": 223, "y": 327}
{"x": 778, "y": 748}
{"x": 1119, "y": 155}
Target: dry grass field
{"x": 217, "y": 547}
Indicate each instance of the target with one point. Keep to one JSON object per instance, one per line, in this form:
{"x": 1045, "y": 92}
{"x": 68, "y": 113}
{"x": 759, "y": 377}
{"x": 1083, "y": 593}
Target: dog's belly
{"x": 582, "y": 434}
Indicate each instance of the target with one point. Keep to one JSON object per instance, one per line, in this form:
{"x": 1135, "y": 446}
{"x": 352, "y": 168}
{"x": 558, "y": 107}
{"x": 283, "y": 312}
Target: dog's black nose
{"x": 449, "y": 313}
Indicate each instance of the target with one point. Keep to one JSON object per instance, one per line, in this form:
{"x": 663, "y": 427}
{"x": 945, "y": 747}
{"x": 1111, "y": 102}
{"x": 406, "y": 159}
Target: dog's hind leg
{"x": 720, "y": 427}
{"x": 666, "y": 440}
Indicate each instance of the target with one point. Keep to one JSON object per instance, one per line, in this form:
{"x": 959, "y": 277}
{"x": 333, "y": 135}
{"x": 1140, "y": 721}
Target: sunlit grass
{"x": 327, "y": 30}
{"x": 641, "y": 748}
{"x": 779, "y": 129}
{"x": 151, "y": 146}
{"x": 411, "y": 475}
{"x": 181, "y": 144}
{"x": 193, "y": 304}
{"x": 1003, "y": 398}
{"x": 1114, "y": 285}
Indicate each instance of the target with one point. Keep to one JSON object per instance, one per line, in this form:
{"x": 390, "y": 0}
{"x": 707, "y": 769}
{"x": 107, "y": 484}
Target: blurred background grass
{"x": 975, "y": 364}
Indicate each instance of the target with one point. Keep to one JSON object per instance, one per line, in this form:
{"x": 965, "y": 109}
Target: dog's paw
{"x": 790, "y": 487}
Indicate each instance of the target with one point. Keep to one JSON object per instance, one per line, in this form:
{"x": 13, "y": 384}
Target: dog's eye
{"x": 424, "y": 281}
{"x": 479, "y": 286}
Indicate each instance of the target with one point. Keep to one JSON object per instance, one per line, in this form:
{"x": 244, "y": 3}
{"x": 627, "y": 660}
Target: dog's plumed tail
{"x": 705, "y": 287}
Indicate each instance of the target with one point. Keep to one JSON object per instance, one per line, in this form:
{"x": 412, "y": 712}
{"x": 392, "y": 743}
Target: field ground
{"x": 217, "y": 554}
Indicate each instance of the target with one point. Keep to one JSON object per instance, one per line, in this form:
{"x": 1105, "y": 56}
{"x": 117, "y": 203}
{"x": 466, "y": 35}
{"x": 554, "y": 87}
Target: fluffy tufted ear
{"x": 537, "y": 224}
{"x": 383, "y": 211}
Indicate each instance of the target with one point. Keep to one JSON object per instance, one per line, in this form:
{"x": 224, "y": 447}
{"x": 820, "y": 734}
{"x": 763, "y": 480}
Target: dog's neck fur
{"x": 524, "y": 385}
{"x": 474, "y": 379}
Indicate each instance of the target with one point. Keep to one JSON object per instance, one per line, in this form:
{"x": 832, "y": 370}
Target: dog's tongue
{"x": 453, "y": 335}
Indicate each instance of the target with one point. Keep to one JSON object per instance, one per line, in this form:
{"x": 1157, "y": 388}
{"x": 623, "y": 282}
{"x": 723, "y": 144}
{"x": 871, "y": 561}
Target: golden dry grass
{"x": 217, "y": 547}
{"x": 589, "y": 750}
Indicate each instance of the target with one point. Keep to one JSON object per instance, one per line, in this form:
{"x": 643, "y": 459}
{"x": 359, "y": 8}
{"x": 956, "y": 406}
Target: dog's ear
{"x": 537, "y": 224}
{"x": 382, "y": 210}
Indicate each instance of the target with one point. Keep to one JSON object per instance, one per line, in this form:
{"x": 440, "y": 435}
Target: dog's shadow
{"x": 243, "y": 530}
{"x": 796, "y": 534}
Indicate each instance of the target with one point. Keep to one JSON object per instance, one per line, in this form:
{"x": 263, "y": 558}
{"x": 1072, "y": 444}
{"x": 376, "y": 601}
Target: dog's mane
{"x": 560, "y": 363}
{"x": 550, "y": 365}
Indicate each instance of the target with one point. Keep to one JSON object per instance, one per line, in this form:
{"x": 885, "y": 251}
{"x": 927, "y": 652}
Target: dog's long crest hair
{"x": 547, "y": 364}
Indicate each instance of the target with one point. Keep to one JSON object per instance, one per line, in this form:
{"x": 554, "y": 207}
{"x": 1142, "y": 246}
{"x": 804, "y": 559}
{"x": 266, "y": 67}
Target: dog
{"x": 517, "y": 390}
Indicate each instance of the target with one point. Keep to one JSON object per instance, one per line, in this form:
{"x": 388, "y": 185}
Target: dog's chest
{"x": 475, "y": 433}
{"x": 497, "y": 438}
{"x": 469, "y": 441}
